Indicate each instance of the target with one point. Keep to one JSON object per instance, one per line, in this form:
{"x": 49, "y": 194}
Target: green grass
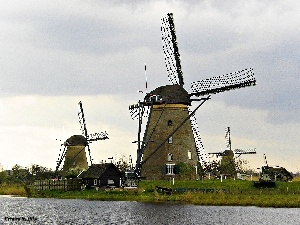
{"x": 12, "y": 189}
{"x": 109, "y": 195}
{"x": 232, "y": 186}
{"x": 226, "y": 193}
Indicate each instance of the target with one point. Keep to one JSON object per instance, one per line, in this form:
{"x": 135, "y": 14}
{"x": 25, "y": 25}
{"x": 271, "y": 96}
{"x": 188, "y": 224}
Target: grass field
{"x": 12, "y": 189}
{"x": 206, "y": 192}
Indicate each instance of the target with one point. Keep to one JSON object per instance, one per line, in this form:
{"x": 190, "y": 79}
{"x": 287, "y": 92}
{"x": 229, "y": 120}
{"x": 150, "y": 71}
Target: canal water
{"x": 14, "y": 210}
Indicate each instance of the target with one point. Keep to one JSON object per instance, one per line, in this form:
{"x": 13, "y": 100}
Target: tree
{"x": 73, "y": 172}
{"x": 3, "y": 177}
{"x": 123, "y": 165}
{"x": 20, "y": 174}
{"x": 213, "y": 168}
{"x": 187, "y": 171}
{"x": 242, "y": 166}
{"x": 228, "y": 167}
{"x": 40, "y": 172}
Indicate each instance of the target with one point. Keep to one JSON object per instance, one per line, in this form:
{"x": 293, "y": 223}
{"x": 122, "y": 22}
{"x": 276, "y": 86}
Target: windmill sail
{"x": 89, "y": 137}
{"x": 202, "y": 156}
{"x": 227, "y": 138}
{"x": 225, "y": 82}
{"x": 97, "y": 136}
{"x": 170, "y": 48}
{"x": 61, "y": 156}
{"x": 244, "y": 151}
{"x": 82, "y": 120}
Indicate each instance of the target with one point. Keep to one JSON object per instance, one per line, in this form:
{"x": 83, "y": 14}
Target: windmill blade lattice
{"x": 61, "y": 156}
{"x": 244, "y": 151}
{"x": 170, "y": 48}
{"x": 225, "y": 82}
{"x": 82, "y": 120}
{"x": 97, "y": 136}
{"x": 89, "y": 137}
{"x": 227, "y": 138}
{"x": 202, "y": 156}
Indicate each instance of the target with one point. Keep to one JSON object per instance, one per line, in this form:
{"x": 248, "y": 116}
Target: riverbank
{"x": 207, "y": 192}
{"x": 13, "y": 189}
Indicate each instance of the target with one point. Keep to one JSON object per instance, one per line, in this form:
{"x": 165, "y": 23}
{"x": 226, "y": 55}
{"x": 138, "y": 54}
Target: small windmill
{"x": 228, "y": 150}
{"x": 72, "y": 151}
{"x": 168, "y": 140}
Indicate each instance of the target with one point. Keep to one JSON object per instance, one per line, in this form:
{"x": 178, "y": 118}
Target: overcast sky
{"x": 57, "y": 53}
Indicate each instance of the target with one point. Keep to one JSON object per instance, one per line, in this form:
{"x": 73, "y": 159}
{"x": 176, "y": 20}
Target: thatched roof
{"x": 96, "y": 170}
{"x": 76, "y": 140}
{"x": 173, "y": 94}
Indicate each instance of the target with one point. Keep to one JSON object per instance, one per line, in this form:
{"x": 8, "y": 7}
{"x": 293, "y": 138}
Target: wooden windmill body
{"x": 172, "y": 142}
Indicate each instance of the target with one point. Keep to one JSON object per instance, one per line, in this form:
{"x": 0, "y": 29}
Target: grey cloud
{"x": 73, "y": 54}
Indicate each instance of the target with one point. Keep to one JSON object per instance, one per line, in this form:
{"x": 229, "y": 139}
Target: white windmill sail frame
{"x": 201, "y": 154}
{"x": 170, "y": 49}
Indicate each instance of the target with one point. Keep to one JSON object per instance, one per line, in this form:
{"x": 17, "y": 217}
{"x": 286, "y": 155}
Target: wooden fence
{"x": 51, "y": 184}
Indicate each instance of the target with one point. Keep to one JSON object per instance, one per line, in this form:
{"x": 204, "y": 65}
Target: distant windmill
{"x": 228, "y": 151}
{"x": 168, "y": 140}
{"x": 73, "y": 149}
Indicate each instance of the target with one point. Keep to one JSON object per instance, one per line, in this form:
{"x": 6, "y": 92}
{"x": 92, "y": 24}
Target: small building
{"x": 101, "y": 175}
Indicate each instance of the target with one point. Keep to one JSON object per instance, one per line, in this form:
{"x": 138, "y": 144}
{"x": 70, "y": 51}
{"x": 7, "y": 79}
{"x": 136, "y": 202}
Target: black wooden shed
{"x": 101, "y": 175}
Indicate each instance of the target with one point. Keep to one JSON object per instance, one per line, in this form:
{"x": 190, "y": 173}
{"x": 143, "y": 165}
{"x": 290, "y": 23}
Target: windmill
{"x": 169, "y": 139}
{"x": 228, "y": 151}
{"x": 72, "y": 151}
{"x": 228, "y": 163}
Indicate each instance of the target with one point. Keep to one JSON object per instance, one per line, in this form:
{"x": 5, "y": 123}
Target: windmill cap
{"x": 172, "y": 94}
{"x": 77, "y": 140}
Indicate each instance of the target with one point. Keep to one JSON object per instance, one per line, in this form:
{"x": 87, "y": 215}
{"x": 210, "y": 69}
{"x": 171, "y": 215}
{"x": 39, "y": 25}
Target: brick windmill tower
{"x": 171, "y": 145}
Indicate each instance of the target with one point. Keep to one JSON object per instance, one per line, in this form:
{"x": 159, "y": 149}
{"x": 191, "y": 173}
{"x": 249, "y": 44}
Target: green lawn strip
{"x": 207, "y": 192}
{"x": 12, "y": 189}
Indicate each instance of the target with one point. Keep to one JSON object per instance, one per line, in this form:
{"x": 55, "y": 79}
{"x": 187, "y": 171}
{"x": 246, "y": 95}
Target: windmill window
{"x": 110, "y": 182}
{"x": 170, "y": 157}
{"x": 189, "y": 154}
{"x": 170, "y": 122}
{"x": 170, "y": 140}
{"x": 170, "y": 169}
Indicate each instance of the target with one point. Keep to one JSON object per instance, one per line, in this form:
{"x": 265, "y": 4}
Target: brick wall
{"x": 182, "y": 141}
